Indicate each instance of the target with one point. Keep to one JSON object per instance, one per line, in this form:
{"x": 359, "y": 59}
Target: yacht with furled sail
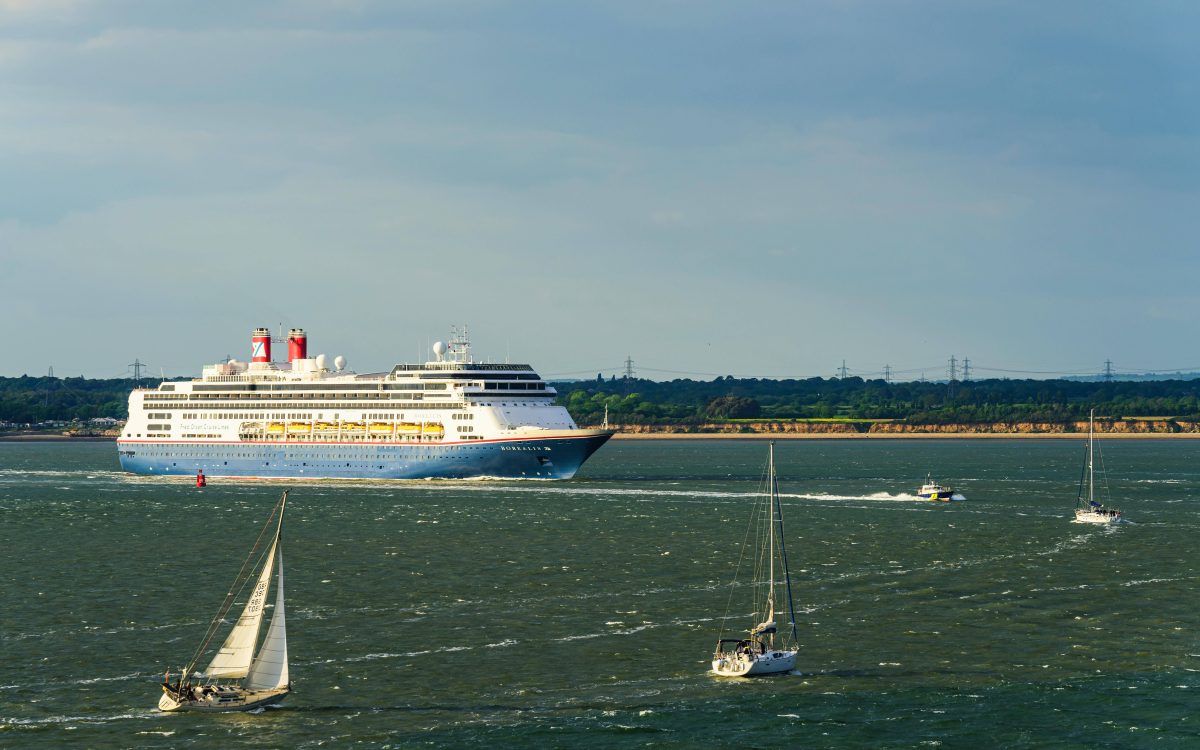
{"x": 1088, "y": 509}
{"x": 763, "y": 650}
{"x": 240, "y": 676}
{"x": 310, "y": 418}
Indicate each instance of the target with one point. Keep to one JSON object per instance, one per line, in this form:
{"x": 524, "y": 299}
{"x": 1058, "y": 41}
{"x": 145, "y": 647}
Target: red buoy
{"x": 200, "y": 482}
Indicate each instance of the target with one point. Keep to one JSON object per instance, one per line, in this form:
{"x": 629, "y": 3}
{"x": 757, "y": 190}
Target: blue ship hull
{"x": 544, "y": 458}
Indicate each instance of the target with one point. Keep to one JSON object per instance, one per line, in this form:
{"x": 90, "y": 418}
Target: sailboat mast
{"x": 243, "y": 577}
{"x": 771, "y": 500}
{"x": 1091, "y": 463}
{"x": 771, "y": 490}
{"x": 777, "y": 512}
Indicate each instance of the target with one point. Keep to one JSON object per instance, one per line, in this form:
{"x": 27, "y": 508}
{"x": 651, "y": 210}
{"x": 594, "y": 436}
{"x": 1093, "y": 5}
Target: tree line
{"x": 29, "y": 400}
{"x": 634, "y": 401}
{"x": 685, "y": 401}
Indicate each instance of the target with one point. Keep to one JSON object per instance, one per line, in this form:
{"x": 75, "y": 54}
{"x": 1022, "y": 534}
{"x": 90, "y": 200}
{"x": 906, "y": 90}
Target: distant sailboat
{"x": 1090, "y": 510}
{"x": 240, "y": 677}
{"x": 759, "y": 653}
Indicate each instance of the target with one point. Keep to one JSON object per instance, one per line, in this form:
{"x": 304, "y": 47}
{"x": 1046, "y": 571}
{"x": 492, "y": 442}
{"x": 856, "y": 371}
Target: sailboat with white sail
{"x": 241, "y": 677}
{"x": 764, "y": 650}
{"x": 1089, "y": 509}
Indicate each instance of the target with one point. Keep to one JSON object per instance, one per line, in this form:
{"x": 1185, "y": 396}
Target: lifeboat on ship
{"x": 354, "y": 426}
{"x": 380, "y": 428}
{"x": 299, "y": 427}
{"x": 275, "y": 428}
{"x": 325, "y": 427}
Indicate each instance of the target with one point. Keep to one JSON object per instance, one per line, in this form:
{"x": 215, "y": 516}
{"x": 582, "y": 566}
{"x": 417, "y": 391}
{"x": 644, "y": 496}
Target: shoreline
{"x": 904, "y": 436}
{"x": 965, "y": 435}
{"x": 36, "y": 438}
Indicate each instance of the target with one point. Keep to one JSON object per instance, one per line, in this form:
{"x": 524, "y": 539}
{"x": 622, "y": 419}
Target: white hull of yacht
{"x": 743, "y": 665}
{"x": 1088, "y": 516}
{"x": 225, "y": 699}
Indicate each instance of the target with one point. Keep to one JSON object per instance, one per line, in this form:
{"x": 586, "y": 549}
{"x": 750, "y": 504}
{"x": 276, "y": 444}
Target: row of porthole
{"x": 408, "y": 458}
{"x": 248, "y": 455}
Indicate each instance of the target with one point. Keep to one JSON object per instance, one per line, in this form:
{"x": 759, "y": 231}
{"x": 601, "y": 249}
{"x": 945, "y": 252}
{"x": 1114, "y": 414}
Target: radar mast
{"x": 459, "y": 348}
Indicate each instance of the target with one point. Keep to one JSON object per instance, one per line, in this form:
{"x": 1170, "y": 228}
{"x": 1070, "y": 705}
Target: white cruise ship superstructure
{"x": 451, "y": 417}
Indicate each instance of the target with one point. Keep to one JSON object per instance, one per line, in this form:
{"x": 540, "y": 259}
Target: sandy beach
{"x": 28, "y": 437}
{"x": 905, "y": 436}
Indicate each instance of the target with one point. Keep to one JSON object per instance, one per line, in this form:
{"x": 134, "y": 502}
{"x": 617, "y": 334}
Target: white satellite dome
{"x": 321, "y": 359}
{"x": 439, "y": 349}
{"x": 339, "y": 362}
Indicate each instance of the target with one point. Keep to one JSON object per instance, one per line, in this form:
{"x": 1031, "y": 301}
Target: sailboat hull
{"x": 1089, "y": 516}
{"x": 222, "y": 699}
{"x": 741, "y": 665}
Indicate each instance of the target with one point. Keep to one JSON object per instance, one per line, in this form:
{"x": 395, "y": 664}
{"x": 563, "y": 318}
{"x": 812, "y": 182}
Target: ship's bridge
{"x": 477, "y": 379}
{"x": 453, "y": 369}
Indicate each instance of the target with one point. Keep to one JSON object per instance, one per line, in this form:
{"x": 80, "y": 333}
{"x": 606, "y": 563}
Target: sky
{"x": 708, "y": 188}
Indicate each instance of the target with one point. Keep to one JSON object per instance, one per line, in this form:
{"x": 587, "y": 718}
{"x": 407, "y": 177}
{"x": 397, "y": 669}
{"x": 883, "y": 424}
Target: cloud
{"x": 26, "y": 9}
{"x": 585, "y": 181}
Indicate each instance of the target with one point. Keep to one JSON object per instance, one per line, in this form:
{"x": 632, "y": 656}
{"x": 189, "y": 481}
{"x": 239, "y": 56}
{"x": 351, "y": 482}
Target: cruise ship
{"x": 451, "y": 417}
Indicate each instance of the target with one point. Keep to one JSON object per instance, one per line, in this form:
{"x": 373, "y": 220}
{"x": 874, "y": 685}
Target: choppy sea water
{"x": 583, "y": 613}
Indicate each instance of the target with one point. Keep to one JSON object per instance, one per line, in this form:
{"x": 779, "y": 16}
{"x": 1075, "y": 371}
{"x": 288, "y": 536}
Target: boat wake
{"x": 59, "y": 474}
{"x": 903, "y": 497}
{"x": 409, "y": 654}
{"x": 53, "y": 720}
{"x": 1153, "y": 580}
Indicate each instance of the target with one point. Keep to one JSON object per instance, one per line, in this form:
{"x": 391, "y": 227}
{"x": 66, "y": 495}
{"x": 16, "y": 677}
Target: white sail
{"x": 270, "y": 668}
{"x": 233, "y": 660}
